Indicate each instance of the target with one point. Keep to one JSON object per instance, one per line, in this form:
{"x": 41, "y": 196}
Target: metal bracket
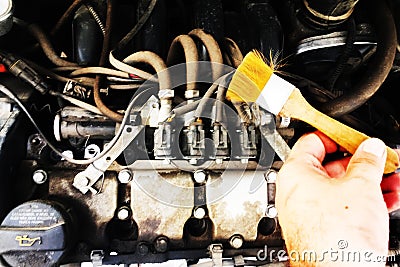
{"x": 85, "y": 180}
{"x": 97, "y": 257}
{"x": 215, "y": 251}
{"x": 275, "y": 140}
{"x": 239, "y": 260}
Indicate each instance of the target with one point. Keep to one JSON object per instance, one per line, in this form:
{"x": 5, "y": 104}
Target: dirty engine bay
{"x": 118, "y": 145}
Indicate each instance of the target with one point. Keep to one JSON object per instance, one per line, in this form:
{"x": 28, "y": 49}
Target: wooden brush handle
{"x": 298, "y": 108}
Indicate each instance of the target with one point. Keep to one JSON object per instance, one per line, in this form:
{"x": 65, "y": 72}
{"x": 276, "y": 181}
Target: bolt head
{"x": 39, "y": 176}
{"x": 123, "y": 213}
{"x": 199, "y": 176}
{"x": 199, "y": 213}
{"x": 124, "y": 176}
{"x": 219, "y": 161}
{"x": 236, "y": 241}
{"x": 143, "y": 249}
{"x": 271, "y": 211}
{"x": 161, "y": 244}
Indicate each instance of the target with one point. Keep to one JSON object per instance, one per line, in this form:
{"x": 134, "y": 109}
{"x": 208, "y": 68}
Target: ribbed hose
{"x": 378, "y": 68}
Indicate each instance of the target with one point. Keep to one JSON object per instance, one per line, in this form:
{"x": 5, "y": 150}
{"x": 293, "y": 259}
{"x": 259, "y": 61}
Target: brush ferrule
{"x": 275, "y": 94}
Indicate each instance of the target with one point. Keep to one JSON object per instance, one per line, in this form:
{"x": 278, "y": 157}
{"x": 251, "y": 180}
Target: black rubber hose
{"x": 344, "y": 57}
{"x": 378, "y": 68}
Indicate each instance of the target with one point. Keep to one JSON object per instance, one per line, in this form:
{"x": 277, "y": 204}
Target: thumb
{"x": 368, "y": 162}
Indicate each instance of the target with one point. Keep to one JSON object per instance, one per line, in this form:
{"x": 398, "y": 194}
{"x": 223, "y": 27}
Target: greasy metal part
{"x": 125, "y": 176}
{"x": 6, "y": 19}
{"x": 378, "y": 68}
{"x": 236, "y": 241}
{"x": 276, "y": 141}
{"x": 272, "y": 136}
{"x": 328, "y": 13}
{"x": 239, "y": 210}
{"x": 78, "y": 122}
{"x": 36, "y": 148}
{"x": 220, "y": 138}
{"x": 39, "y": 176}
{"x": 91, "y": 151}
{"x": 195, "y": 143}
{"x": 95, "y": 210}
{"x": 89, "y": 129}
{"x": 271, "y": 177}
{"x": 215, "y": 251}
{"x": 164, "y": 141}
{"x": 247, "y": 147}
{"x": 97, "y": 257}
{"x": 161, "y": 212}
{"x": 327, "y": 40}
{"x": 85, "y": 180}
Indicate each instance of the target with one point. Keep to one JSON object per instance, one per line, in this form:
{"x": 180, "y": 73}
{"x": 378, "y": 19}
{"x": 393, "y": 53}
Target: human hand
{"x": 320, "y": 205}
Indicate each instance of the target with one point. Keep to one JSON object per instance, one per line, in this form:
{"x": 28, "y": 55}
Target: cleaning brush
{"x": 255, "y": 82}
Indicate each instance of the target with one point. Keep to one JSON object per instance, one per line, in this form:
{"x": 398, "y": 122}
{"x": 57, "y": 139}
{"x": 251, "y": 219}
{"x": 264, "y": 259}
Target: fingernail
{"x": 374, "y": 146}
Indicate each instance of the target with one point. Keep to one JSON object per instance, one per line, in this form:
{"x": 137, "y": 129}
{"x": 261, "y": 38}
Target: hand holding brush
{"x": 255, "y": 82}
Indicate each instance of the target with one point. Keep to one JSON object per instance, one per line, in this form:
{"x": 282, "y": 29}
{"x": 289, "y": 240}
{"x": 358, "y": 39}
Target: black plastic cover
{"x": 35, "y": 234}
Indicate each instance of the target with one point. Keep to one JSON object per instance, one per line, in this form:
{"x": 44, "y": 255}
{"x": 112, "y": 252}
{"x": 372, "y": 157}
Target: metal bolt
{"x": 219, "y": 161}
{"x": 161, "y": 244}
{"x": 271, "y": 176}
{"x": 39, "y": 176}
{"x": 143, "y": 249}
{"x": 271, "y": 211}
{"x": 199, "y": 213}
{"x": 123, "y": 213}
{"x": 236, "y": 241}
{"x": 124, "y": 176}
{"x": 81, "y": 180}
{"x": 199, "y": 177}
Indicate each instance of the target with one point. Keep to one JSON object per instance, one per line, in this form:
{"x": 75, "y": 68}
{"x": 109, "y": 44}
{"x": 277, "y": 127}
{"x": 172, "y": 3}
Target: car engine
{"x": 118, "y": 145}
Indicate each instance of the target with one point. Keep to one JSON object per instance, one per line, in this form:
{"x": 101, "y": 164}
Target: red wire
{"x": 2, "y": 68}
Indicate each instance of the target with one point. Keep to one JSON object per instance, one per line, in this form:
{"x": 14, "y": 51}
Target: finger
{"x": 329, "y": 144}
{"x": 337, "y": 168}
{"x": 392, "y": 201}
{"x": 391, "y": 183}
{"x": 309, "y": 145}
{"x": 368, "y": 161}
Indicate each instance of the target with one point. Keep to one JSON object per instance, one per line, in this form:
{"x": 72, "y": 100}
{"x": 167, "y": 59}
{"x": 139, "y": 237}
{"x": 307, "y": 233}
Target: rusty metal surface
{"x": 237, "y": 211}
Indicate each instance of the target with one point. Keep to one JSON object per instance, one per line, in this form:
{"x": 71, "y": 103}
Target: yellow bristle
{"x": 249, "y": 79}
